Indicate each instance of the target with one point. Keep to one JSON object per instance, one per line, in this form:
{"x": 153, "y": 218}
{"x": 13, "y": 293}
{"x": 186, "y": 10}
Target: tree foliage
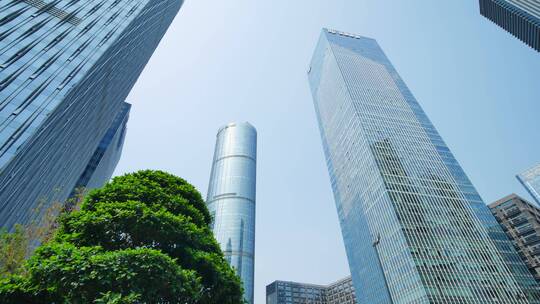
{"x": 17, "y": 245}
{"x": 143, "y": 238}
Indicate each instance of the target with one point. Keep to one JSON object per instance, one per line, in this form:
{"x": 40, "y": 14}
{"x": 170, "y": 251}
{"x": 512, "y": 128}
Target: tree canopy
{"x": 142, "y": 238}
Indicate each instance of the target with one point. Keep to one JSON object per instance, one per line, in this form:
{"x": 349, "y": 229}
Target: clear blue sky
{"x": 246, "y": 60}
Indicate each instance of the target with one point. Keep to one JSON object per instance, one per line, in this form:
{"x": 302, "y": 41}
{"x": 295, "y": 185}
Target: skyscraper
{"x": 231, "y": 198}
{"x": 519, "y": 17}
{"x": 283, "y": 292}
{"x": 66, "y": 67}
{"x": 102, "y": 164}
{"x": 521, "y": 222}
{"x": 414, "y": 227}
{"x": 530, "y": 179}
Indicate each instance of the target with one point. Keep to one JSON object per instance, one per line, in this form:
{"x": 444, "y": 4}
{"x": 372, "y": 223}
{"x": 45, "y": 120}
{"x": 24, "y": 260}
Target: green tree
{"x": 13, "y": 251}
{"x": 19, "y": 244}
{"x": 143, "y": 238}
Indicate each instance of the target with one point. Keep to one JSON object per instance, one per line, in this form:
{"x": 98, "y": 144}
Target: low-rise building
{"x": 284, "y": 292}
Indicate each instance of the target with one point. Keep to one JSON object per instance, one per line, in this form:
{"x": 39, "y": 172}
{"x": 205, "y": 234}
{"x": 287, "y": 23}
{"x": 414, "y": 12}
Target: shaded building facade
{"x": 102, "y": 164}
{"x": 414, "y": 227}
{"x": 284, "y": 292}
{"x": 520, "y": 18}
{"x": 530, "y": 179}
{"x": 66, "y": 67}
{"x": 231, "y": 199}
{"x": 521, "y": 222}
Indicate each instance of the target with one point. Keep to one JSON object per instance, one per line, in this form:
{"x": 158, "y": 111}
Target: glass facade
{"x": 521, "y": 18}
{"x": 530, "y": 179}
{"x": 521, "y": 223}
{"x": 102, "y": 164}
{"x": 66, "y": 67}
{"x": 231, "y": 198}
{"x": 414, "y": 227}
{"x": 283, "y": 292}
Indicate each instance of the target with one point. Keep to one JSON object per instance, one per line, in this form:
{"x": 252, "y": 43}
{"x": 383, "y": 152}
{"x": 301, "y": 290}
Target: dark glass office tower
{"x": 66, "y": 67}
{"x": 102, "y": 164}
{"x": 414, "y": 227}
{"x": 521, "y": 18}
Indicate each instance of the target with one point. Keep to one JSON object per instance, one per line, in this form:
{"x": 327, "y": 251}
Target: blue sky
{"x": 246, "y": 60}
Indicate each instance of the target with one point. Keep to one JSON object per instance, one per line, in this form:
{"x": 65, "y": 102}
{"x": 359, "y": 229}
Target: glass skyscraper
{"x": 102, "y": 164}
{"x": 66, "y": 67}
{"x": 231, "y": 198}
{"x": 521, "y": 18}
{"x": 530, "y": 179}
{"x": 414, "y": 227}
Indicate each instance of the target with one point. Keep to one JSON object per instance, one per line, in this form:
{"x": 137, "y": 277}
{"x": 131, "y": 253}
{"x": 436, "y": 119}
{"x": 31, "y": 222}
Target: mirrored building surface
{"x": 530, "y": 179}
{"x": 231, "y": 198}
{"x": 66, "y": 67}
{"x": 414, "y": 227}
{"x": 521, "y": 18}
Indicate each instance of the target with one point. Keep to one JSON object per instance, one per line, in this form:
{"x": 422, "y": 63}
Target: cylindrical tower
{"x": 231, "y": 198}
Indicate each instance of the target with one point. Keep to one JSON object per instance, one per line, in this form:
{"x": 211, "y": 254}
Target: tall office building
{"x": 519, "y": 17}
{"x": 414, "y": 227}
{"x": 521, "y": 222}
{"x": 530, "y": 179}
{"x": 231, "y": 198}
{"x": 66, "y": 67}
{"x": 101, "y": 166}
{"x": 283, "y": 292}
